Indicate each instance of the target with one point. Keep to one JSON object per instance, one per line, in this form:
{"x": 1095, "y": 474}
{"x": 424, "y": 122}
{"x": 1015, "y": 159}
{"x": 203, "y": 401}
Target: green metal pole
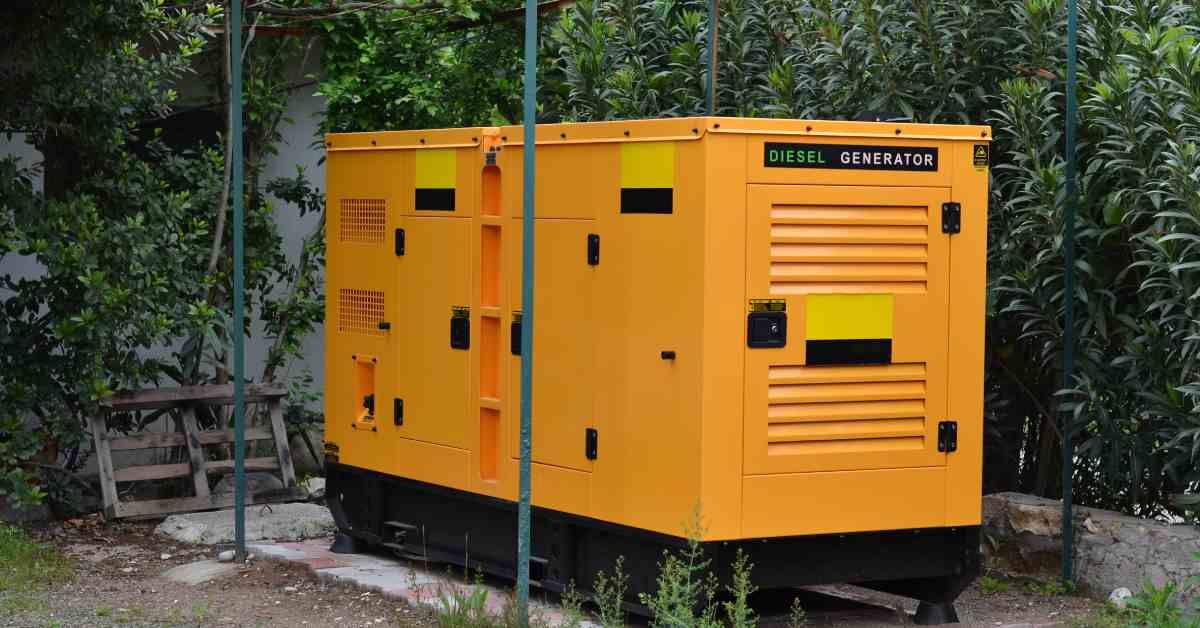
{"x": 237, "y": 325}
{"x": 712, "y": 57}
{"x": 1068, "y": 447}
{"x": 527, "y": 237}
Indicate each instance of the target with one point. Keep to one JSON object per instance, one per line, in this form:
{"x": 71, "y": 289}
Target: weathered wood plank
{"x": 252, "y": 464}
{"x": 152, "y": 398}
{"x": 156, "y": 440}
{"x": 189, "y": 504}
{"x": 282, "y": 447}
{"x": 195, "y": 452}
{"x": 152, "y": 472}
{"x": 165, "y": 471}
{"x": 108, "y": 485}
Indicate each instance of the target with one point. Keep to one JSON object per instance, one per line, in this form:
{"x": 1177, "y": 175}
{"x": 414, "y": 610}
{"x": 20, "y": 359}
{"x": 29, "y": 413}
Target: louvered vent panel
{"x": 855, "y": 249}
{"x": 845, "y": 409}
{"x": 360, "y": 311}
{"x": 362, "y": 220}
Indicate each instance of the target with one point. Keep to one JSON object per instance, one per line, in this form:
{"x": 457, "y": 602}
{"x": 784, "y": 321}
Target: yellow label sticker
{"x": 436, "y": 168}
{"x": 648, "y": 165}
{"x": 848, "y": 316}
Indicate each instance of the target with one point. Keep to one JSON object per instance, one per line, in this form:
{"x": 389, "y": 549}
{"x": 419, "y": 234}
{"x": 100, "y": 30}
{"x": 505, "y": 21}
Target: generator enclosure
{"x": 766, "y": 334}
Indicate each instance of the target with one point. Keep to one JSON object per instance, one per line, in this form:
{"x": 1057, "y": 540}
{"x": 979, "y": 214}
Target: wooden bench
{"x": 185, "y": 400}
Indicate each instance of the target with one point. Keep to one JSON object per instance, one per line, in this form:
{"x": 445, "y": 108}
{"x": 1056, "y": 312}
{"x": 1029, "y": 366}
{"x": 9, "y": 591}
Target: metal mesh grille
{"x": 360, "y": 311}
{"x": 362, "y": 220}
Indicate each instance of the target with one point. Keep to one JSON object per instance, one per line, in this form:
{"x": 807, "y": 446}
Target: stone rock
{"x": 256, "y": 481}
{"x": 1035, "y": 519}
{"x": 315, "y": 487}
{"x": 1120, "y": 597}
{"x": 199, "y": 572}
{"x": 263, "y": 522}
{"x": 1111, "y": 549}
{"x": 227, "y": 556}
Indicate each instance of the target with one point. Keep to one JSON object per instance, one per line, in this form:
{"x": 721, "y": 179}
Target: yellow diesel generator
{"x": 777, "y": 324}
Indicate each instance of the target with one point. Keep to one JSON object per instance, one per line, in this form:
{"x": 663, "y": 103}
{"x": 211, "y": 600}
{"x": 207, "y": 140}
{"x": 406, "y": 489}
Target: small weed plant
{"x": 686, "y": 595}
{"x": 609, "y": 595}
{"x": 798, "y": 616}
{"x": 991, "y": 585}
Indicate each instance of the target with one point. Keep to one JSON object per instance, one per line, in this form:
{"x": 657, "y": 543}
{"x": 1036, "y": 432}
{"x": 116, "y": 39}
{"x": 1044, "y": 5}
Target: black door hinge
{"x": 951, "y": 218}
{"x": 399, "y": 242}
{"x": 398, "y": 411}
{"x": 948, "y": 436}
{"x": 591, "y": 443}
{"x": 593, "y": 251}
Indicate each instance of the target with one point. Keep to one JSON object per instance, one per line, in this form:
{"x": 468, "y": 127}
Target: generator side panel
{"x": 724, "y": 311}
{"x": 968, "y": 302}
{"x": 398, "y": 286}
{"x": 360, "y": 305}
{"x": 853, "y": 308}
{"x": 618, "y": 300}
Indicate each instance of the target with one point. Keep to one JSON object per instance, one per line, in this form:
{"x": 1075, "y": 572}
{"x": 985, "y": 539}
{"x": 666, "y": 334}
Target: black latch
{"x": 369, "y": 404}
{"x": 948, "y": 436}
{"x": 951, "y": 218}
{"x": 766, "y": 330}
{"x": 398, "y": 411}
{"x": 514, "y": 334}
{"x": 399, "y": 242}
{"x": 489, "y": 158}
{"x": 460, "y": 328}
{"x": 384, "y": 325}
{"x": 591, "y": 443}
{"x": 593, "y": 253}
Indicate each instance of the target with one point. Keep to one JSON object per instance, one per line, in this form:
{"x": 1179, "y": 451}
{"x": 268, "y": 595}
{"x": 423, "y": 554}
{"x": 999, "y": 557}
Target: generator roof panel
{"x": 657, "y": 129}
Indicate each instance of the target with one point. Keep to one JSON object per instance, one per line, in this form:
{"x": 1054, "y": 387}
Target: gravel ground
{"x": 119, "y": 583}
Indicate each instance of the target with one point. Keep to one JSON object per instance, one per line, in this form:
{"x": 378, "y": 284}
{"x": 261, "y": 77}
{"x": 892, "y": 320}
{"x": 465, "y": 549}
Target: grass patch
{"x": 26, "y": 567}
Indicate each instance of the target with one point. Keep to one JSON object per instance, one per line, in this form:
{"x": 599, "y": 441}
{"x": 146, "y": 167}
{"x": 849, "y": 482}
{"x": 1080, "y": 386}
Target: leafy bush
{"x": 1136, "y": 394}
{"x": 128, "y": 232}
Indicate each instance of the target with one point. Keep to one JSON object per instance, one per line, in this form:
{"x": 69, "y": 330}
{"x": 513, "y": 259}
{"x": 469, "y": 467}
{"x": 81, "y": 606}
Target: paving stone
{"x": 199, "y": 572}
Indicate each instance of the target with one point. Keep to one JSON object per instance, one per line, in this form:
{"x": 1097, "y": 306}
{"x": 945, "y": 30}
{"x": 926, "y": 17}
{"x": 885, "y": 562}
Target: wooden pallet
{"x": 185, "y": 399}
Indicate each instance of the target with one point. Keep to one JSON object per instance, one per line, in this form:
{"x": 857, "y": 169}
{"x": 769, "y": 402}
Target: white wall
{"x": 20, "y": 266}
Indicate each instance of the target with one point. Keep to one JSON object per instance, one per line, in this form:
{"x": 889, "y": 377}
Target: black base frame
{"x": 433, "y": 523}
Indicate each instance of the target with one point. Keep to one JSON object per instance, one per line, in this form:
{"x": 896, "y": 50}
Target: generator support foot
{"x": 345, "y": 544}
{"x": 933, "y": 614}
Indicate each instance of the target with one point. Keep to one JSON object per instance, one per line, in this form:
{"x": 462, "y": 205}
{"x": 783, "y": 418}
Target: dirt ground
{"x": 119, "y": 583}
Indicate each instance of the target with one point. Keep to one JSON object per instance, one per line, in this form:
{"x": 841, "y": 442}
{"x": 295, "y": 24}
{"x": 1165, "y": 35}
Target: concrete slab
{"x": 273, "y": 522}
{"x": 199, "y": 572}
{"x": 418, "y": 585}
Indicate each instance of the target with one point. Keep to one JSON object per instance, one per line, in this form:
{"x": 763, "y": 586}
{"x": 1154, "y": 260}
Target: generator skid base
{"x": 776, "y": 324}
{"x": 422, "y": 522}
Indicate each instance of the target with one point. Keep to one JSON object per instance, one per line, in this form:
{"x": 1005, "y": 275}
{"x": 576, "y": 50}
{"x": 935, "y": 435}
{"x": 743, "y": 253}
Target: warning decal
{"x": 981, "y": 156}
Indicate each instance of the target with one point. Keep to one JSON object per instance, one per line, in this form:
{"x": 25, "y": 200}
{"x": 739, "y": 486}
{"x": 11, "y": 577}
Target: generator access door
{"x": 434, "y": 333}
{"x": 846, "y": 328}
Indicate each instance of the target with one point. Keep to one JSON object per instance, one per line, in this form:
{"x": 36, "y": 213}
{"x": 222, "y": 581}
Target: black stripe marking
{"x": 647, "y": 200}
{"x": 435, "y": 199}
{"x": 866, "y": 351}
